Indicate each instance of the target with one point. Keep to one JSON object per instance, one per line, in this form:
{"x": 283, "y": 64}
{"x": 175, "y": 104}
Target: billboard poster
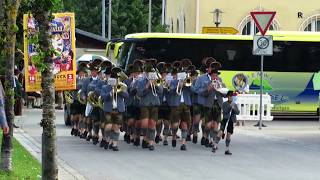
{"x": 62, "y": 30}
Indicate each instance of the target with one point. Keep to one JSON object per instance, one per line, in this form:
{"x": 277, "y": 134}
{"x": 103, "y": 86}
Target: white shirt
{"x": 95, "y": 78}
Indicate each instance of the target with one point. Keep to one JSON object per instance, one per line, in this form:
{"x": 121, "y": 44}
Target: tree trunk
{"x": 9, "y": 52}
{"x": 49, "y": 149}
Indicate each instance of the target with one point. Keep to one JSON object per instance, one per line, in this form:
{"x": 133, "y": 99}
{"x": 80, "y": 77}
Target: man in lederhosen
{"x": 92, "y": 113}
{"x": 104, "y": 76}
{"x": 211, "y": 100}
{"x": 179, "y": 103}
{"x": 76, "y": 108}
{"x": 114, "y": 107}
{"x": 149, "y": 102}
{"x": 230, "y": 112}
{"x": 132, "y": 103}
{"x": 164, "y": 111}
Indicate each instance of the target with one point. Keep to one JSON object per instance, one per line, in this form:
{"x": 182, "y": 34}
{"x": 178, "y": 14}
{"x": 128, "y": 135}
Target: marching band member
{"x": 211, "y": 100}
{"x": 180, "y": 102}
{"x": 113, "y": 106}
{"x": 149, "y": 102}
{"x": 230, "y": 110}
{"x": 164, "y": 111}
{"x": 92, "y": 113}
{"x": 105, "y": 75}
{"x": 132, "y": 109}
{"x": 76, "y": 108}
{"x": 195, "y": 108}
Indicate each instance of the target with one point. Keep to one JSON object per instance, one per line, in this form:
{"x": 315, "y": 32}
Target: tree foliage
{"x": 128, "y": 16}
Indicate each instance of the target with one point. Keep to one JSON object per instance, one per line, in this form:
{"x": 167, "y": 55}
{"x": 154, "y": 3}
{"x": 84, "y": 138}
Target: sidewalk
{"x": 66, "y": 172}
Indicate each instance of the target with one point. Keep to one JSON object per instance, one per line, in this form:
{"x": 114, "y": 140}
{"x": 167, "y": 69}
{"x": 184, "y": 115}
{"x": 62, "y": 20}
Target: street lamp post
{"x": 217, "y": 16}
{"x": 109, "y": 20}
{"x": 150, "y": 15}
{"x": 103, "y": 26}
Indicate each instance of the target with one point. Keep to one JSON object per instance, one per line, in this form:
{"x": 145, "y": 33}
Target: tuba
{"x": 79, "y": 98}
{"x": 93, "y": 99}
{"x": 68, "y": 97}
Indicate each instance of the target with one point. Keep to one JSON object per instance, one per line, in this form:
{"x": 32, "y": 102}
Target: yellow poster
{"x": 63, "y": 41}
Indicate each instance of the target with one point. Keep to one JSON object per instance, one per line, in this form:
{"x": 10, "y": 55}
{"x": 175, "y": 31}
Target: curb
{"x": 65, "y": 171}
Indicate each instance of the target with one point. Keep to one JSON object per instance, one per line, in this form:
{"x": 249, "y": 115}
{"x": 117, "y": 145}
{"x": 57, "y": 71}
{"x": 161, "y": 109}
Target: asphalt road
{"x": 284, "y": 150}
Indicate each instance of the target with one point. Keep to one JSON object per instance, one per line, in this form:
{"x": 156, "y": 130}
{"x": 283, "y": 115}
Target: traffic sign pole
{"x": 263, "y": 46}
{"x": 261, "y": 91}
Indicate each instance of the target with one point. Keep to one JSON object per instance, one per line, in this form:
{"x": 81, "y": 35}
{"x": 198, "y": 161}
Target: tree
{"x": 87, "y": 14}
{"x": 128, "y": 16}
{"x": 8, "y": 16}
{"x": 42, "y": 12}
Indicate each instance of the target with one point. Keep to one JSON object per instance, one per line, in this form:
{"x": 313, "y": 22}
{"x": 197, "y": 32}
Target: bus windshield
{"x": 289, "y": 56}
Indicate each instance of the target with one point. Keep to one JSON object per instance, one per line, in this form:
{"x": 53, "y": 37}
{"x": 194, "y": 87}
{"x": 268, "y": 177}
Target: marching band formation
{"x": 150, "y": 102}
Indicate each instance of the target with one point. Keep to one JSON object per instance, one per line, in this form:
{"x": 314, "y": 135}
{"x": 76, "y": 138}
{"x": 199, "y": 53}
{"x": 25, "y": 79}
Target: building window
{"x": 248, "y": 27}
{"x": 312, "y": 24}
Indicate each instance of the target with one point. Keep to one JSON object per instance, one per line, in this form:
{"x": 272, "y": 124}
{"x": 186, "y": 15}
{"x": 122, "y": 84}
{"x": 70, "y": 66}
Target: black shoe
{"x": 203, "y": 141}
{"x": 110, "y": 145}
{"x": 157, "y": 139}
{"x": 137, "y": 142}
{"x": 15, "y": 126}
{"x": 174, "y": 143}
{"x": 206, "y": 142}
{"x": 77, "y": 133}
{"x": 125, "y": 137}
{"x": 165, "y": 143}
{"x": 72, "y": 131}
{"x": 95, "y": 140}
{"x": 85, "y": 133}
{"x": 151, "y": 147}
{"x": 183, "y": 147}
{"x": 209, "y": 145}
{"x": 106, "y": 145}
{"x": 227, "y": 153}
{"x": 115, "y": 148}
{"x": 89, "y": 137}
{"x": 160, "y": 138}
{"x": 102, "y": 143}
{"x": 195, "y": 139}
{"x": 131, "y": 140}
{"x": 188, "y": 138}
{"x": 214, "y": 149}
{"x": 178, "y": 137}
{"x": 144, "y": 144}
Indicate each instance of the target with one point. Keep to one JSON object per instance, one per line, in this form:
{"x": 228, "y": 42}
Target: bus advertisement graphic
{"x": 62, "y": 30}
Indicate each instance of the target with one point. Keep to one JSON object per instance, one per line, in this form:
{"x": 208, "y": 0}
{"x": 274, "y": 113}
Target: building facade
{"x": 190, "y": 16}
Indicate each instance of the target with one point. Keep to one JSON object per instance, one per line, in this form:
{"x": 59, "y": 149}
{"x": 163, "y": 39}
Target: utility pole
{"x": 109, "y": 20}
{"x": 150, "y": 15}
{"x": 103, "y": 28}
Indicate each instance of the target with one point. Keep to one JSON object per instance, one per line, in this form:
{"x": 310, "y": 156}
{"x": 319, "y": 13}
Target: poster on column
{"x": 62, "y": 30}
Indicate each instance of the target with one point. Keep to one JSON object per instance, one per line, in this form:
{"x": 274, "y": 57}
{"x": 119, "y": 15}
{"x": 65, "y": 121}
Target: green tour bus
{"x": 288, "y": 74}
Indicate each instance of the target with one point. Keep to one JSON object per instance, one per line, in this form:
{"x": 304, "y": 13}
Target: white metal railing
{"x": 249, "y": 107}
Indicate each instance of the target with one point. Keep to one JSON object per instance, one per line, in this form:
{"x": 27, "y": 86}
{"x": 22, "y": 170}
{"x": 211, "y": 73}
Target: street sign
{"x": 219, "y": 30}
{"x": 263, "y": 20}
{"x": 262, "y": 45}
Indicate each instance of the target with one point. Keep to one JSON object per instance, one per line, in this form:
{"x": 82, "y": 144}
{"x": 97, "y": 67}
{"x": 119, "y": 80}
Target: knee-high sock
{"x": 184, "y": 134}
{"x": 151, "y": 134}
{"x": 107, "y": 134}
{"x": 115, "y": 135}
{"x": 96, "y": 128}
{"x": 228, "y": 142}
{"x": 144, "y": 131}
{"x": 159, "y": 127}
{"x": 174, "y": 131}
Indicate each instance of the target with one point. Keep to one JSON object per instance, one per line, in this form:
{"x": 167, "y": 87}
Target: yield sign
{"x": 263, "y": 20}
